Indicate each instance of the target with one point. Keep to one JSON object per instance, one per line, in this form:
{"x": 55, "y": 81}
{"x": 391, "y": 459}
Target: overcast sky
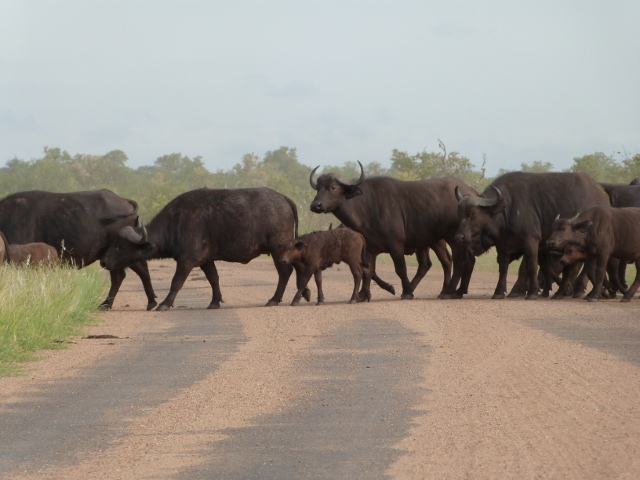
{"x": 340, "y": 81}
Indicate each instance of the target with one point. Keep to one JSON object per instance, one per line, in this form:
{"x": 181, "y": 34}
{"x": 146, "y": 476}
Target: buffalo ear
{"x": 499, "y": 207}
{"x": 299, "y": 245}
{"x": 582, "y": 226}
{"x": 351, "y": 191}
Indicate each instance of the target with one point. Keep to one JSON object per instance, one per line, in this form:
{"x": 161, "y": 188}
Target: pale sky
{"x": 340, "y": 81}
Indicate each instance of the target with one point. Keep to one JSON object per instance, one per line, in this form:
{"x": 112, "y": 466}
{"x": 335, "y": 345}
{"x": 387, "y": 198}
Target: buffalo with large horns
{"x": 515, "y": 214}
{"x": 400, "y": 218}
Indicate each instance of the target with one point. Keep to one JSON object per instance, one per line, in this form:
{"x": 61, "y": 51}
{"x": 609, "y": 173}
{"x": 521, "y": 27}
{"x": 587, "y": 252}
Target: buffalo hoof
{"x": 516, "y": 295}
{"x": 320, "y": 303}
{"x": 532, "y": 296}
{"x": 557, "y": 296}
{"x": 151, "y": 305}
{"x": 407, "y": 296}
{"x": 295, "y": 303}
{"x": 364, "y": 296}
{"x": 163, "y": 308}
{"x": 498, "y": 296}
{"x": 213, "y": 306}
{"x": 272, "y": 303}
{"x": 545, "y": 294}
{"x": 625, "y": 299}
{"x": 591, "y": 299}
{"x": 578, "y": 294}
{"x": 306, "y": 293}
{"x": 103, "y": 307}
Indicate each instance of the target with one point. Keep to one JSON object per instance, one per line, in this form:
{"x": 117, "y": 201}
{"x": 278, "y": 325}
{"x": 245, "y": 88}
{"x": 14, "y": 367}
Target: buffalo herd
{"x": 567, "y": 228}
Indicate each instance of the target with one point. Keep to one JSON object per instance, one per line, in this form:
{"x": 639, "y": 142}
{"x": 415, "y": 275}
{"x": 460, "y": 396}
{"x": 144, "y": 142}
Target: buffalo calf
{"x": 602, "y": 232}
{"x": 314, "y": 252}
{"x": 32, "y": 254}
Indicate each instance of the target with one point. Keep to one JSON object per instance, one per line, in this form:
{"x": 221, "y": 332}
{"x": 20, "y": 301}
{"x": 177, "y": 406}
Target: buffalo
{"x": 79, "y": 225}
{"x": 602, "y": 232}
{"x": 32, "y": 254}
{"x": 317, "y": 251}
{"x": 400, "y": 218}
{"x": 201, "y": 226}
{"x": 515, "y": 213}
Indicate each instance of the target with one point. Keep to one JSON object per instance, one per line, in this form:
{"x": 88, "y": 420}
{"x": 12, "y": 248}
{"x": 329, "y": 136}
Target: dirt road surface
{"x": 420, "y": 389}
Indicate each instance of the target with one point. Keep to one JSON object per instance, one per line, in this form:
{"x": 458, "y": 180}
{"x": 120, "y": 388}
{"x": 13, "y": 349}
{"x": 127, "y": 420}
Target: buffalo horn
{"x": 458, "y": 196}
{"x": 488, "y": 202}
{"x": 130, "y": 233}
{"x": 361, "y": 179}
{"x": 314, "y": 185}
{"x": 573, "y": 219}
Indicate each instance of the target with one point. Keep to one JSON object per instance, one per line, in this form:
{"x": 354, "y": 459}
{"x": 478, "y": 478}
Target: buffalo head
{"x": 568, "y": 231}
{"x": 333, "y": 191}
{"x": 477, "y": 229}
{"x": 293, "y": 252}
{"x": 572, "y": 254}
{"x": 130, "y": 245}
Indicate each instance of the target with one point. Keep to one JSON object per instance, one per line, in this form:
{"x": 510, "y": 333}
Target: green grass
{"x": 40, "y": 307}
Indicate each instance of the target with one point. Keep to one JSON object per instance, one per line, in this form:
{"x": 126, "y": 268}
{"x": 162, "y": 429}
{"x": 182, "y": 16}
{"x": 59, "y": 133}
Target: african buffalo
{"x": 400, "y": 218}
{"x": 603, "y": 232}
{"x": 201, "y": 226}
{"x": 78, "y": 224}
{"x": 317, "y": 251}
{"x": 515, "y": 214}
{"x": 32, "y": 254}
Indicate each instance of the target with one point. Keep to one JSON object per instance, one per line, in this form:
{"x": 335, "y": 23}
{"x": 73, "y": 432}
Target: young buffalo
{"x": 314, "y": 252}
{"x": 32, "y": 254}
{"x": 602, "y": 232}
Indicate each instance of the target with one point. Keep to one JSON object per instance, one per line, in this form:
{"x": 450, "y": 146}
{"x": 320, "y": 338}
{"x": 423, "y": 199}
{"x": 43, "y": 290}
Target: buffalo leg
{"x": 117, "y": 276}
{"x": 631, "y": 291}
{"x": 530, "y": 260}
{"x": 503, "y": 267}
{"x": 463, "y": 263}
{"x": 211, "y": 272}
{"x": 179, "y": 277}
{"x": 371, "y": 258}
{"x": 600, "y": 271}
{"x": 356, "y": 271}
{"x": 284, "y": 273}
{"x": 317, "y": 275}
{"x": 446, "y": 260}
{"x": 424, "y": 265}
{"x": 142, "y": 270}
{"x": 400, "y": 264}
{"x": 521, "y": 286}
{"x": 302, "y": 282}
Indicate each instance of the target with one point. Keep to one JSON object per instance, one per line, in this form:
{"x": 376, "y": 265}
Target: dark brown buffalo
{"x": 317, "y": 251}
{"x": 201, "y": 226}
{"x": 515, "y": 214}
{"x": 78, "y": 224}
{"x": 602, "y": 232}
{"x": 32, "y": 254}
{"x": 400, "y": 218}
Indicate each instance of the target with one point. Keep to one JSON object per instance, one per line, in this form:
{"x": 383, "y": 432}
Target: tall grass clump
{"x": 41, "y": 306}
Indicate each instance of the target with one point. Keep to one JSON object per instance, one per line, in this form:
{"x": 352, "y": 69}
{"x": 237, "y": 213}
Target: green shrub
{"x": 42, "y": 306}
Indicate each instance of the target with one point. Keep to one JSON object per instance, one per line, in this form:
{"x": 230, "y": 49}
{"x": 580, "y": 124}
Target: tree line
{"x": 155, "y": 185}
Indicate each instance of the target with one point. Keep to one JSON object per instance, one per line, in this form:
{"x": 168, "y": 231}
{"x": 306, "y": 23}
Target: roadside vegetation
{"x": 41, "y": 307}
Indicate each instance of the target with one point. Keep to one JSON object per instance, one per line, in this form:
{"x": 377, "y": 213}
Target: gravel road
{"x": 472, "y": 388}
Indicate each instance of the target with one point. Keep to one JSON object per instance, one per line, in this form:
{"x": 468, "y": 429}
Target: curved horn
{"x": 573, "y": 219}
{"x": 314, "y": 185}
{"x": 129, "y": 233}
{"x": 489, "y": 202}
{"x": 145, "y": 236}
{"x": 361, "y": 179}
{"x": 458, "y": 196}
